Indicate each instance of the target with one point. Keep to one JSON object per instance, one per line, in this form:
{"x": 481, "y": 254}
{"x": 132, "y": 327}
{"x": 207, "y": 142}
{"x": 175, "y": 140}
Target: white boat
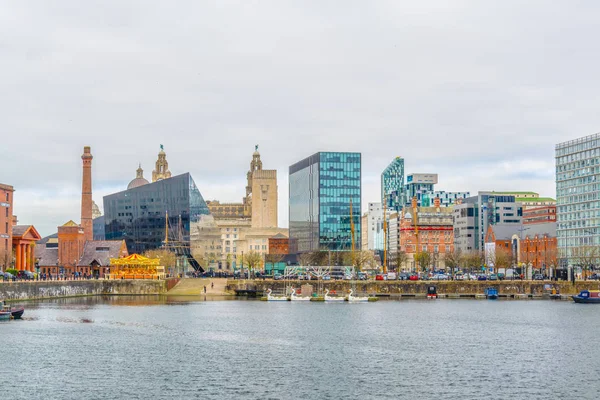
{"x": 329, "y": 298}
{"x": 356, "y": 299}
{"x": 294, "y": 297}
{"x": 275, "y": 298}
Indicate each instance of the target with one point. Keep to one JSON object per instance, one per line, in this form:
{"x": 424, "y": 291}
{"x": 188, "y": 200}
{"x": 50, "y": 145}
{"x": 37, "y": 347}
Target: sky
{"x": 476, "y": 91}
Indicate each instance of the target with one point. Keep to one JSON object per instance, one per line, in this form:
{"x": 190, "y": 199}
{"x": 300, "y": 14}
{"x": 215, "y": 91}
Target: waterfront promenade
{"x": 222, "y": 287}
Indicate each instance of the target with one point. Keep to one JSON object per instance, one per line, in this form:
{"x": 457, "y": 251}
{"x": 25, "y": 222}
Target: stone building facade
{"x": 161, "y": 169}
{"x": 427, "y": 230}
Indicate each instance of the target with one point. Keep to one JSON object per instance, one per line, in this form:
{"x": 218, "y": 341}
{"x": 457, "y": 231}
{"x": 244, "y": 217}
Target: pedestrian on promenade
{"x": 204, "y": 288}
{"x": 212, "y": 285}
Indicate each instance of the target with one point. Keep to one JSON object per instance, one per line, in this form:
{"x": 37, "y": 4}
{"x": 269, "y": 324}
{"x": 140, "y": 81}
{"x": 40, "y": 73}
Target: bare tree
{"x": 423, "y": 260}
{"x": 167, "y": 258}
{"x": 274, "y": 258}
{"x": 360, "y": 259}
{"x": 501, "y": 258}
{"x": 401, "y": 259}
{"x": 586, "y": 257}
{"x": 453, "y": 260}
{"x": 254, "y": 260}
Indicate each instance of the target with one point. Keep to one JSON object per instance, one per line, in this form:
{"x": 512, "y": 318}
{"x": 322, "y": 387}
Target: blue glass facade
{"x": 138, "y": 215}
{"x": 323, "y": 188}
{"x": 392, "y": 185}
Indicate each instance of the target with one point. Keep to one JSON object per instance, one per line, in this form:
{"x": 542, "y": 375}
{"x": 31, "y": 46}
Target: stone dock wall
{"x": 418, "y": 287}
{"x": 33, "y": 290}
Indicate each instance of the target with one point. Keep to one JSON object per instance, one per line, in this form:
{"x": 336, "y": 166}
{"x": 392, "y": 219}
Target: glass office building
{"x": 322, "y": 189}
{"x": 577, "y": 197}
{"x": 138, "y": 215}
{"x": 393, "y": 193}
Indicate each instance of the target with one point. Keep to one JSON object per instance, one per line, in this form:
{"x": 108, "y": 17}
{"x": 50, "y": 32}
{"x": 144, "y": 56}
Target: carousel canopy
{"x": 134, "y": 260}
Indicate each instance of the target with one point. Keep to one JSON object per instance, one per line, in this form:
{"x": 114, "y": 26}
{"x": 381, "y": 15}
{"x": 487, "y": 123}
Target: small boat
{"x": 356, "y": 299}
{"x": 432, "y": 292}
{"x": 491, "y": 293}
{"x": 294, "y": 297}
{"x": 275, "y": 298}
{"x": 14, "y": 312}
{"x": 5, "y": 315}
{"x": 587, "y": 297}
{"x": 332, "y": 298}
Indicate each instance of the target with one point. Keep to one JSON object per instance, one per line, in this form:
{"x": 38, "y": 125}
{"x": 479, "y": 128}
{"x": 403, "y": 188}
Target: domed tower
{"x": 139, "y": 179}
{"x": 161, "y": 170}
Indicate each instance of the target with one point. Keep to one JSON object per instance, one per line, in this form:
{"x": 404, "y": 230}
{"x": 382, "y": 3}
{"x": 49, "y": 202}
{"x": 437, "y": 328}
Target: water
{"x": 146, "y": 348}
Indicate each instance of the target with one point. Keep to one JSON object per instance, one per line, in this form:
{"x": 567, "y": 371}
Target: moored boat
{"x": 356, "y": 299}
{"x": 432, "y": 292}
{"x": 491, "y": 293}
{"x": 13, "y": 312}
{"x": 275, "y": 298}
{"x": 5, "y": 315}
{"x": 587, "y": 297}
{"x": 329, "y": 298}
{"x": 295, "y": 297}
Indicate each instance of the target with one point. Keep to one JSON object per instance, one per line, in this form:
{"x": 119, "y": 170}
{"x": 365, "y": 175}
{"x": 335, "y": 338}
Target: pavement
{"x": 195, "y": 287}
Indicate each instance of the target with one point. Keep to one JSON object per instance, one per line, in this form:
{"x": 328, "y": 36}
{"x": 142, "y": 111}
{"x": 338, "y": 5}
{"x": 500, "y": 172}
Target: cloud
{"x": 478, "y": 92}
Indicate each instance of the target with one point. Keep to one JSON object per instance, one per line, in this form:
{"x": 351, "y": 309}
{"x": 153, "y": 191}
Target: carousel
{"x": 136, "y": 267}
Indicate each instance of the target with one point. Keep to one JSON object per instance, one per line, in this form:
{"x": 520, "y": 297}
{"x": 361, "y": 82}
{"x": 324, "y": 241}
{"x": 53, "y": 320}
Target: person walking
{"x": 204, "y": 288}
{"x": 212, "y": 285}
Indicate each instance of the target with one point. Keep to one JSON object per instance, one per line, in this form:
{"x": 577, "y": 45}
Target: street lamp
{"x": 521, "y": 230}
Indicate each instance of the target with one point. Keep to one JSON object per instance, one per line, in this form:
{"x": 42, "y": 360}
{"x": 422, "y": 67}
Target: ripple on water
{"x": 224, "y": 350}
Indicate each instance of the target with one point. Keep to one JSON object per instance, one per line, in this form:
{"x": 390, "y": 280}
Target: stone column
{"x": 23, "y": 256}
{"x": 18, "y": 257}
{"x": 28, "y": 260}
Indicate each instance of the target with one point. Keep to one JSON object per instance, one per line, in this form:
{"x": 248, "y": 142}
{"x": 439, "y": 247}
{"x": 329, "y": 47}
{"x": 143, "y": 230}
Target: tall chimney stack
{"x": 86, "y": 195}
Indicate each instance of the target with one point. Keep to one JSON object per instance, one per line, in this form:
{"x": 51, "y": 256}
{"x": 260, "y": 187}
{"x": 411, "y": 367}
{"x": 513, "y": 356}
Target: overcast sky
{"x": 479, "y": 92}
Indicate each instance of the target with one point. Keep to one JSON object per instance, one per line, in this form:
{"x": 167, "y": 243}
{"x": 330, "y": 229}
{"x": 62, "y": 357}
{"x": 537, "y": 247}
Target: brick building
{"x": 539, "y": 215}
{"x": 6, "y": 223}
{"x": 279, "y": 244}
{"x": 534, "y": 245}
{"x": 427, "y": 230}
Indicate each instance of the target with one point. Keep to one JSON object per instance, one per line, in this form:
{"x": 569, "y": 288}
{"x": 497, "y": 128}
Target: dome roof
{"x": 137, "y": 182}
{"x": 139, "y": 179}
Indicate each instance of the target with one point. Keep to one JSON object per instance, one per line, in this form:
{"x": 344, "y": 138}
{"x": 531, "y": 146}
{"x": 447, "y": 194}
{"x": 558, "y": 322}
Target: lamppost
{"x": 242, "y": 267}
{"x": 521, "y": 230}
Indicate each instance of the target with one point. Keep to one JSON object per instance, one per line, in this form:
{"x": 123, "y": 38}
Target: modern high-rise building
{"x": 374, "y": 228}
{"x": 138, "y": 215}
{"x": 421, "y": 187}
{"x": 392, "y": 185}
{"x": 578, "y": 198}
{"x": 473, "y": 216}
{"x": 322, "y": 190}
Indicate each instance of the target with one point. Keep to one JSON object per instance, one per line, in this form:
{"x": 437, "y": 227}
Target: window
{"x": 228, "y": 235}
{"x": 6, "y": 227}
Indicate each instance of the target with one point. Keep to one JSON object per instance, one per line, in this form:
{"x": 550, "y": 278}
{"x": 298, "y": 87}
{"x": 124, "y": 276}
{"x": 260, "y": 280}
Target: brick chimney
{"x": 86, "y": 195}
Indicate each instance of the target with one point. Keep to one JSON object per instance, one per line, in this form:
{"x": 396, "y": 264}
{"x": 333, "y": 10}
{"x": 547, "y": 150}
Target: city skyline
{"x": 483, "y": 111}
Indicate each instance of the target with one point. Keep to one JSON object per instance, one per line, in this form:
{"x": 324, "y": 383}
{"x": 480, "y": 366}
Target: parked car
{"x": 501, "y": 276}
{"x": 493, "y": 277}
{"x": 362, "y": 276}
{"x": 594, "y": 277}
{"x": 413, "y": 277}
{"x": 278, "y": 277}
{"x": 441, "y": 277}
{"x": 380, "y": 277}
{"x": 538, "y": 277}
{"x": 391, "y": 276}
{"x": 459, "y": 277}
{"x": 403, "y": 276}
{"x": 482, "y": 278}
